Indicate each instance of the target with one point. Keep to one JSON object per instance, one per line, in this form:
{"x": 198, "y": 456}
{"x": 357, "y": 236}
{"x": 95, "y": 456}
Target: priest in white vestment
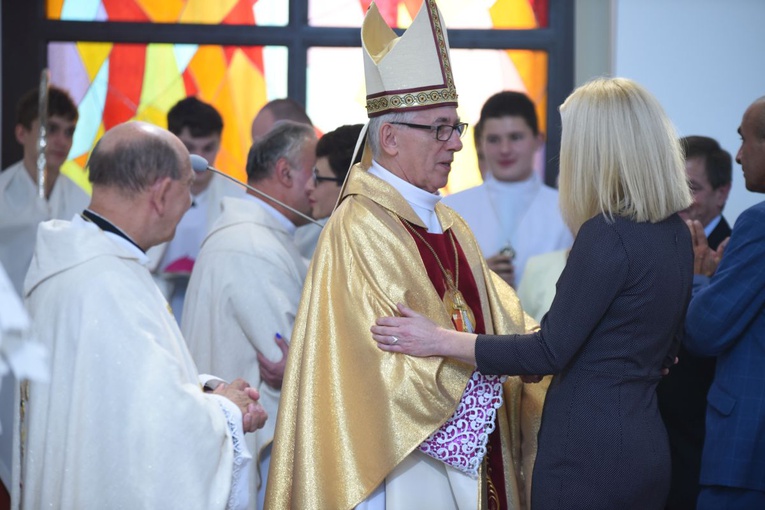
{"x": 247, "y": 281}
{"x": 124, "y": 422}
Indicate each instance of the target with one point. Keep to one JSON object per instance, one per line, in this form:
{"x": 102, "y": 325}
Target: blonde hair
{"x": 620, "y": 155}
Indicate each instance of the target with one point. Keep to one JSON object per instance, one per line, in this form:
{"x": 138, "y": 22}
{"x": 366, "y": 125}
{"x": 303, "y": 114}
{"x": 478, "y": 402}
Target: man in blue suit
{"x": 682, "y": 394}
{"x": 726, "y": 318}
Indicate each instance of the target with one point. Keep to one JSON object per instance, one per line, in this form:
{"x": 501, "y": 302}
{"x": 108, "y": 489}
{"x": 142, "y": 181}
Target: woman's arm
{"x": 419, "y": 336}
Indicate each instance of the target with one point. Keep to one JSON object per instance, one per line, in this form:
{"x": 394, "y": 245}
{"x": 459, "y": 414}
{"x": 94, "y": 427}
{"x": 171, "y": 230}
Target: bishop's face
{"x": 424, "y": 161}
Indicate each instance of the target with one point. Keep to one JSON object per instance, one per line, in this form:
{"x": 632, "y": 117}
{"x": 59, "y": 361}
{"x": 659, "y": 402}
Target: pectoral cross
{"x": 462, "y": 315}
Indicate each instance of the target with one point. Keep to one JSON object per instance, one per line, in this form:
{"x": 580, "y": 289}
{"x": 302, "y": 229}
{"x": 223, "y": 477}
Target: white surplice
{"x": 244, "y": 289}
{"x": 524, "y": 215}
{"x": 21, "y": 210}
{"x": 123, "y": 423}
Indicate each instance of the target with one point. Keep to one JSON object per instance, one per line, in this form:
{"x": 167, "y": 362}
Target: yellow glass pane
{"x": 162, "y": 84}
{"x": 93, "y": 56}
{"x": 205, "y": 11}
{"x": 515, "y": 14}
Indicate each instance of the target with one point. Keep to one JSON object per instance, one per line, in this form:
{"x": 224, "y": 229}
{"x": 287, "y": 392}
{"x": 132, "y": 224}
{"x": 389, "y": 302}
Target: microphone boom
{"x": 200, "y": 164}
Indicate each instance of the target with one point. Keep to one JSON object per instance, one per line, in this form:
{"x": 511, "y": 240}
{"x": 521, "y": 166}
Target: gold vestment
{"x": 351, "y": 412}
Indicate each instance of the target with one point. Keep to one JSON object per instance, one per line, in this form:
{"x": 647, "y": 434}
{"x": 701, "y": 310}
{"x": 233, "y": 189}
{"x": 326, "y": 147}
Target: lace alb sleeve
{"x": 239, "y": 497}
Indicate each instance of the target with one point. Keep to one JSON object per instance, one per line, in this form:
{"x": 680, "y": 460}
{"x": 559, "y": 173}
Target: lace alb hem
{"x": 461, "y": 441}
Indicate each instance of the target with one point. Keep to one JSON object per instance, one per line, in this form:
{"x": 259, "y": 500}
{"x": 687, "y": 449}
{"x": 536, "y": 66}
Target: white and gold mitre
{"x": 410, "y": 72}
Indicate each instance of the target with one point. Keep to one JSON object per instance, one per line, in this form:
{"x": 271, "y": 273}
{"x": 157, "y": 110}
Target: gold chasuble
{"x": 350, "y": 413}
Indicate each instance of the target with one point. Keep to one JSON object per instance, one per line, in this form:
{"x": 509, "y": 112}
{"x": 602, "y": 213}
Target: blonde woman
{"x": 619, "y": 307}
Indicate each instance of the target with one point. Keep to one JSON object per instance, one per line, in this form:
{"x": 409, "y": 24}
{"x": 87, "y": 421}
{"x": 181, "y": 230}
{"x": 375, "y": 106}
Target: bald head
{"x": 142, "y": 180}
{"x": 133, "y": 155}
{"x": 758, "y": 112}
{"x": 751, "y": 154}
{"x": 277, "y": 110}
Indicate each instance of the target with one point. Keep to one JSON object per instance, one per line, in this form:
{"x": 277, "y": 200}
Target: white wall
{"x": 705, "y": 62}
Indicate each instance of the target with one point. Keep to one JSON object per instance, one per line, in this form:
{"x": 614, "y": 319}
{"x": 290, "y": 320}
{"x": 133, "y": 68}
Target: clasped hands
{"x": 246, "y": 399}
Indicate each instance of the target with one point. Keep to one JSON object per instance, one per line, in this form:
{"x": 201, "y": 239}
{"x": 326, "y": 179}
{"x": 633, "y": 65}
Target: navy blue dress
{"x": 613, "y": 325}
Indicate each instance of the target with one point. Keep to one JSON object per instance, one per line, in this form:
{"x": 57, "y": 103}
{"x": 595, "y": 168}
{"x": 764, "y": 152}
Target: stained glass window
{"x": 212, "y": 12}
{"x": 306, "y": 49}
{"x": 114, "y": 83}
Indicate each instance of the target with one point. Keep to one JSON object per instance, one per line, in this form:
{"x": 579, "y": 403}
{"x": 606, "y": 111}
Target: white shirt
{"x": 423, "y": 202}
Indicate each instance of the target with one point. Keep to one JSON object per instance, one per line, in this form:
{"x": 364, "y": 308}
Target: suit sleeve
{"x": 595, "y": 272}
{"x": 721, "y": 312}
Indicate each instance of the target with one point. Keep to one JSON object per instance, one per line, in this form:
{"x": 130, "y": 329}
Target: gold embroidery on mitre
{"x": 416, "y": 99}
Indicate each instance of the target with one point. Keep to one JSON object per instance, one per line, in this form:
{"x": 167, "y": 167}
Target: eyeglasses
{"x": 319, "y": 178}
{"x": 443, "y": 131}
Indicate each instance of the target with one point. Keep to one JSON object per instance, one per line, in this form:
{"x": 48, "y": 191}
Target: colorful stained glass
{"x": 212, "y": 12}
{"x": 476, "y": 14}
{"x": 114, "y": 83}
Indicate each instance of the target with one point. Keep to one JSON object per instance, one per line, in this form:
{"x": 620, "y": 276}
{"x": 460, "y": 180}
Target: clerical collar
{"x": 271, "y": 210}
{"x": 423, "y": 202}
{"x": 108, "y": 226}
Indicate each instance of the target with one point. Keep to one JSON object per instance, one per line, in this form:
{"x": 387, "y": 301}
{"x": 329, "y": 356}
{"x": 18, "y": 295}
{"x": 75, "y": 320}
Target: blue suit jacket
{"x": 727, "y": 319}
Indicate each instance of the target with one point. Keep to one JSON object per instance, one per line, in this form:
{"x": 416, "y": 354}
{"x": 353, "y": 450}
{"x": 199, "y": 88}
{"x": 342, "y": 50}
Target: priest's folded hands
{"x": 246, "y": 399}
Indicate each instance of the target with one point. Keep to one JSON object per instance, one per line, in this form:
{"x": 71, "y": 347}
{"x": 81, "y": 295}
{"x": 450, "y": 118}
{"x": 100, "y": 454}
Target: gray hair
{"x": 133, "y": 165}
{"x": 285, "y": 140}
{"x": 375, "y": 123}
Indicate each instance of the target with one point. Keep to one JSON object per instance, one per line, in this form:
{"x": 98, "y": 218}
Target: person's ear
{"x": 21, "y": 133}
{"x": 283, "y": 172}
{"x": 389, "y": 139}
{"x": 159, "y": 194}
